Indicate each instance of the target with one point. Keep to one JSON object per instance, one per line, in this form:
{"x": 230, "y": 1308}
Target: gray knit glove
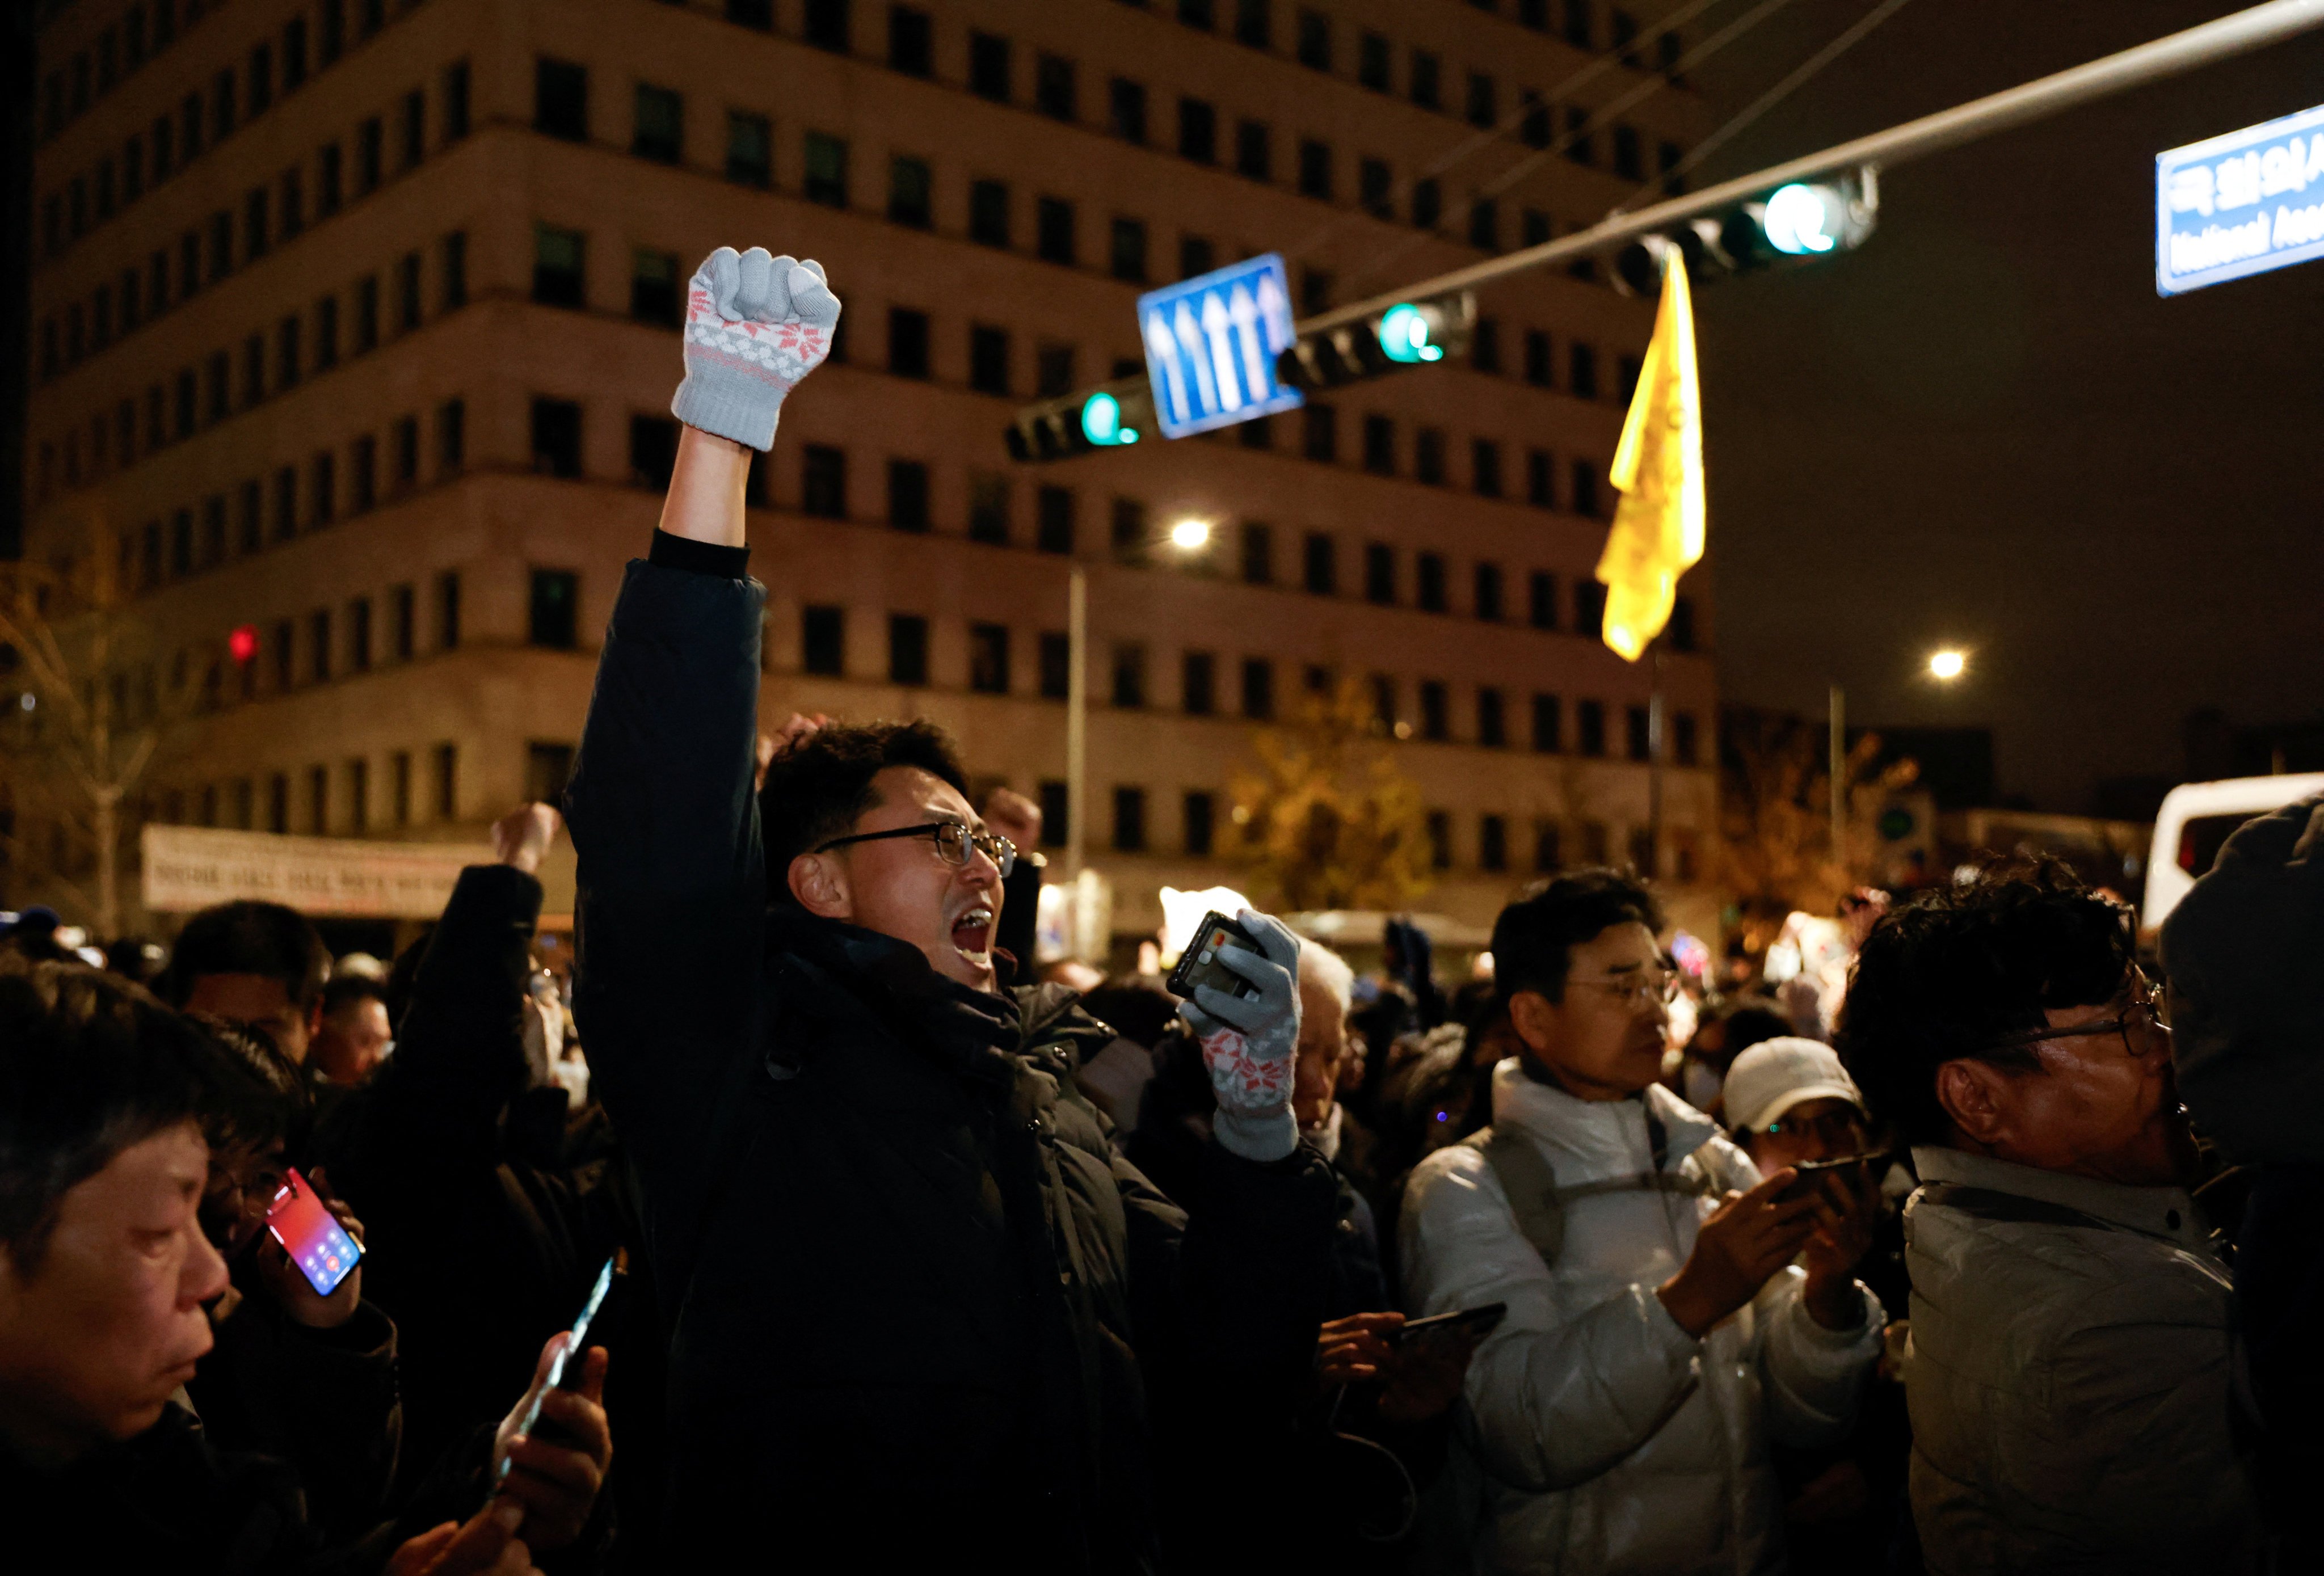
{"x": 1250, "y": 1042}
{"x": 755, "y": 326}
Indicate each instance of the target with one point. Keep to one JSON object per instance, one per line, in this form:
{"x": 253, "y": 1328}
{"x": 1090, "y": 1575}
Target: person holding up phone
{"x": 304, "y": 1368}
{"x": 1658, "y": 1339}
{"x": 1793, "y": 1104}
{"x": 917, "y": 1309}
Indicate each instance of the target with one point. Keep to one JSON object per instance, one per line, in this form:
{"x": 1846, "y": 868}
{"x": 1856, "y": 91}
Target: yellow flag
{"x": 1658, "y": 526}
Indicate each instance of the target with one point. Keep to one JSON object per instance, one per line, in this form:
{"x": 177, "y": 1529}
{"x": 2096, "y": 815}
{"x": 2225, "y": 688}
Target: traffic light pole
{"x": 2171, "y": 56}
{"x": 1076, "y": 728}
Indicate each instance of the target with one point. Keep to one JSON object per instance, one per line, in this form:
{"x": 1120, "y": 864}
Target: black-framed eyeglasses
{"x": 953, "y": 840}
{"x": 1662, "y": 986}
{"x": 2146, "y": 1010}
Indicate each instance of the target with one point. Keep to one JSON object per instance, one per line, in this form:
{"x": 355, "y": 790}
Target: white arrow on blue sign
{"x": 2239, "y": 204}
{"x": 1211, "y": 345}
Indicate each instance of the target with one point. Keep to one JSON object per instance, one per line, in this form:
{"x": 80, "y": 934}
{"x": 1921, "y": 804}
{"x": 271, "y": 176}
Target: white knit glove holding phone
{"x": 1250, "y": 1042}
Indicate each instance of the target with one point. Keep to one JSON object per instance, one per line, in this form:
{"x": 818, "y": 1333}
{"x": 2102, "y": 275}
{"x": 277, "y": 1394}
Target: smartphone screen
{"x": 571, "y": 1352}
{"x": 315, "y": 1240}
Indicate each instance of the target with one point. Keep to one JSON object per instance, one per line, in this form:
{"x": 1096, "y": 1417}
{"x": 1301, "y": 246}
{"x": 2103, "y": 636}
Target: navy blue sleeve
{"x": 664, "y": 816}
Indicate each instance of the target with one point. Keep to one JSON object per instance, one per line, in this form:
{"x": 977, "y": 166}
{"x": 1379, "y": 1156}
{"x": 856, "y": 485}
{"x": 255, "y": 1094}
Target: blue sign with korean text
{"x": 2239, "y": 204}
{"x": 1211, "y": 345}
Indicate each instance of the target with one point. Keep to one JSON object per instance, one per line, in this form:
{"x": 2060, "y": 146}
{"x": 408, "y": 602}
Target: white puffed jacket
{"x": 1608, "y": 1440}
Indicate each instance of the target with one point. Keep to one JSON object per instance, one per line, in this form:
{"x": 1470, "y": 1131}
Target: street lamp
{"x": 1945, "y": 663}
{"x": 1187, "y": 536}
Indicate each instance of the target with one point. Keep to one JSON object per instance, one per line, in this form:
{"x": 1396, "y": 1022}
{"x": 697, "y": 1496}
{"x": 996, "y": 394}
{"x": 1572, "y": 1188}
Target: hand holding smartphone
{"x": 1199, "y": 964}
{"x": 565, "y": 1369}
{"x": 310, "y": 1235}
{"x": 1478, "y": 1321}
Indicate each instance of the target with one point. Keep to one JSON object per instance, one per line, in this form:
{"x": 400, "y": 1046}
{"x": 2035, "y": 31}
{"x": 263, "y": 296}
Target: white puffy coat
{"x": 1610, "y": 1441}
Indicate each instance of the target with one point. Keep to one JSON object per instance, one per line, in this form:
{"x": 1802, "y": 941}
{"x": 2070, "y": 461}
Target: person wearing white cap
{"x": 1790, "y": 1100}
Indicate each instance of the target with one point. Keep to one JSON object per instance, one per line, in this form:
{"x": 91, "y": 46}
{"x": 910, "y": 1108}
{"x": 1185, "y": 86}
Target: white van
{"x": 2196, "y": 819}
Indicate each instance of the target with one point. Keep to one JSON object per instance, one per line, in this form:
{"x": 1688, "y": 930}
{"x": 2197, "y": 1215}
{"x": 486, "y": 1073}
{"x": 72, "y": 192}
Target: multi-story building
{"x": 353, "y": 331}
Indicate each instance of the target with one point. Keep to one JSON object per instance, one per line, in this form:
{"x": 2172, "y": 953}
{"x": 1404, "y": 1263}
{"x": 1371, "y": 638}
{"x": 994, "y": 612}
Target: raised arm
{"x": 460, "y": 1057}
{"x": 662, "y": 809}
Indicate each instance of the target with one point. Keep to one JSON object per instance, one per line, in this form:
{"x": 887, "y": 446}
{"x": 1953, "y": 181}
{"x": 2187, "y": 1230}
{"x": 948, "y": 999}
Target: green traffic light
{"x": 1800, "y": 219}
{"x": 1404, "y": 330}
{"x": 1101, "y": 421}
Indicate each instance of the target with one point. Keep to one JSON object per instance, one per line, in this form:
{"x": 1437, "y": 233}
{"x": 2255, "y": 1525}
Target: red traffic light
{"x": 242, "y": 644}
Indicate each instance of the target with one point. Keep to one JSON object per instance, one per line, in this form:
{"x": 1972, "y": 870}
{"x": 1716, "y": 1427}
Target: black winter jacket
{"x": 323, "y": 1401}
{"x": 487, "y": 1218}
{"x": 917, "y": 1307}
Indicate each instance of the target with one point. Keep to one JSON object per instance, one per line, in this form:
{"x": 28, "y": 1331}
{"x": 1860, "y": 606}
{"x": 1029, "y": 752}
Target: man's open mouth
{"x": 971, "y": 935}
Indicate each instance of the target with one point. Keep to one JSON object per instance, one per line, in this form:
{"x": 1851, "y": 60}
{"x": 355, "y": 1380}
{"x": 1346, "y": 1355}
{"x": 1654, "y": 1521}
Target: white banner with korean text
{"x": 187, "y": 868}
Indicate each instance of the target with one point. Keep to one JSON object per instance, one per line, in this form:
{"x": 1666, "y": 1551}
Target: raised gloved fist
{"x": 1250, "y": 1042}
{"x": 755, "y": 325}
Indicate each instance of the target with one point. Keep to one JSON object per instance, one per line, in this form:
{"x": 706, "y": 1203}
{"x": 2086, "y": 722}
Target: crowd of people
{"x": 921, "y": 1258}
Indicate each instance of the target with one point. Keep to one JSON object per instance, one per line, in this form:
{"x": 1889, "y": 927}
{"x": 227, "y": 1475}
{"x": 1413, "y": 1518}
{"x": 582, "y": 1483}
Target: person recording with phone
{"x": 916, "y": 1306}
{"x": 302, "y": 1370}
{"x": 109, "y": 1282}
{"x": 1658, "y": 1339}
{"x": 1793, "y": 1104}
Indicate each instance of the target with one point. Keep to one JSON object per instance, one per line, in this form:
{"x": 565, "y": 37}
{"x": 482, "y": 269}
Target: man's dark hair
{"x": 1957, "y": 968}
{"x": 819, "y": 789}
{"x": 253, "y": 1094}
{"x": 246, "y": 937}
{"x": 347, "y": 990}
{"x": 89, "y": 1065}
{"x": 1536, "y": 934}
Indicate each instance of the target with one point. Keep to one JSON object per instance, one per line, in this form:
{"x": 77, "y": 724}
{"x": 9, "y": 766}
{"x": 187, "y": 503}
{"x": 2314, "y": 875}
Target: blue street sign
{"x": 1211, "y": 345}
{"x": 2239, "y": 204}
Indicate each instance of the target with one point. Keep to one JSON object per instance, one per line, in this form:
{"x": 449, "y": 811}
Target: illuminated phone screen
{"x": 317, "y": 1243}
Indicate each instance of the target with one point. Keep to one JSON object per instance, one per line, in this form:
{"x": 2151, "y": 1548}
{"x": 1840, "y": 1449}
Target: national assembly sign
{"x": 2239, "y": 204}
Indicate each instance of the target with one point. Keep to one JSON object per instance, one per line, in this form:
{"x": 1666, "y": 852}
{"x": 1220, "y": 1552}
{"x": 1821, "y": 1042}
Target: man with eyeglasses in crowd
{"x": 2073, "y": 1373}
{"x": 1658, "y": 1336}
{"x": 919, "y": 1313}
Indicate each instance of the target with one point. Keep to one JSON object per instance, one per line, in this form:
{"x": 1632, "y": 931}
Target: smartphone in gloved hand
{"x": 1199, "y": 964}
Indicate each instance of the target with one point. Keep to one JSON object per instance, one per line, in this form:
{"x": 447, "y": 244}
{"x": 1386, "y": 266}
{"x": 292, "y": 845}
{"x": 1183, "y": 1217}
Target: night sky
{"x": 1985, "y": 428}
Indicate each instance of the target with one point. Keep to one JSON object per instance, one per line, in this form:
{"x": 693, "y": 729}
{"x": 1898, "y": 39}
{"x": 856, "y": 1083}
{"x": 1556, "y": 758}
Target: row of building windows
{"x": 1258, "y": 554}
{"x": 237, "y": 94}
{"x": 659, "y": 122}
{"x": 341, "y": 326}
{"x": 235, "y": 236}
{"x": 399, "y": 797}
{"x": 561, "y": 261}
{"x": 143, "y": 31}
{"x": 1203, "y": 677}
{"x": 990, "y": 64}
{"x": 259, "y": 512}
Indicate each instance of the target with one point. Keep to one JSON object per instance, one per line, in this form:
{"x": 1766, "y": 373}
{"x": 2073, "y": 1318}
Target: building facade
{"x": 353, "y": 329}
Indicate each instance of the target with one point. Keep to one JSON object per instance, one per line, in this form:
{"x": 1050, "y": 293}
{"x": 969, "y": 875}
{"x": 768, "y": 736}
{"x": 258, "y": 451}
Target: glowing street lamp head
{"x": 1947, "y": 664}
{"x": 1190, "y": 535}
{"x": 1799, "y": 220}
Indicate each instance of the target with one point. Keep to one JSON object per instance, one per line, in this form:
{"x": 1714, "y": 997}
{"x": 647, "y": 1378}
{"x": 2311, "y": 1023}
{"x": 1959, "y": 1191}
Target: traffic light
{"x": 1408, "y": 333}
{"x": 1106, "y": 417}
{"x": 1803, "y": 220}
